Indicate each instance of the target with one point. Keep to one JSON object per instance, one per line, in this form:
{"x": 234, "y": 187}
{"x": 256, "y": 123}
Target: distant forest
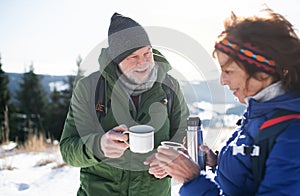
{"x": 38, "y": 104}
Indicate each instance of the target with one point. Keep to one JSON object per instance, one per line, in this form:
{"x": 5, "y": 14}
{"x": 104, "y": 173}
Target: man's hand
{"x": 113, "y": 142}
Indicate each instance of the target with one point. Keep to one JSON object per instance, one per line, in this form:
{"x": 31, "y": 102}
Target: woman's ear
{"x": 265, "y": 78}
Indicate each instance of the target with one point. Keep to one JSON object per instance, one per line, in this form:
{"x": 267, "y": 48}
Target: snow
{"x": 7, "y": 147}
{"x": 41, "y": 173}
{"x": 37, "y": 174}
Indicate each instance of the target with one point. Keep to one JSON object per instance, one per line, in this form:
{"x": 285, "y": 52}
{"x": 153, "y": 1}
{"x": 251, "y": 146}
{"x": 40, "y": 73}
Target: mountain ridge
{"x": 197, "y": 91}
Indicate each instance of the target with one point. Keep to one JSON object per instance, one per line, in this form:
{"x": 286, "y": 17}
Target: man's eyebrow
{"x": 132, "y": 54}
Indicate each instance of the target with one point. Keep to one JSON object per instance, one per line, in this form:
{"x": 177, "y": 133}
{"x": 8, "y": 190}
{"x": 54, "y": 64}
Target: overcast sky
{"x": 51, "y": 34}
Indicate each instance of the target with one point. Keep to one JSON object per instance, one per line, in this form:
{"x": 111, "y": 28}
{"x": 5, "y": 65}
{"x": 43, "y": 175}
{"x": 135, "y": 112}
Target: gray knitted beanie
{"x": 124, "y": 37}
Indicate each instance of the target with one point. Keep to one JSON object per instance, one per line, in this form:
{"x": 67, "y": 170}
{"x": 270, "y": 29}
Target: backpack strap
{"x": 265, "y": 139}
{"x": 100, "y": 104}
{"x": 167, "y": 86}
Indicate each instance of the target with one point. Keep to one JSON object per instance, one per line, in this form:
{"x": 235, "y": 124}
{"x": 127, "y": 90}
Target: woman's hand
{"x": 210, "y": 157}
{"x": 175, "y": 164}
{"x": 155, "y": 169}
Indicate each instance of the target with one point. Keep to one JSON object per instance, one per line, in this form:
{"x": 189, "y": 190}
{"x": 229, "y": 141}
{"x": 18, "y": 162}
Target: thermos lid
{"x": 193, "y": 121}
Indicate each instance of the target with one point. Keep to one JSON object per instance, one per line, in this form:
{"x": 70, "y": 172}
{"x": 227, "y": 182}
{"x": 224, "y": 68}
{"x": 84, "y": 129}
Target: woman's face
{"x": 237, "y": 80}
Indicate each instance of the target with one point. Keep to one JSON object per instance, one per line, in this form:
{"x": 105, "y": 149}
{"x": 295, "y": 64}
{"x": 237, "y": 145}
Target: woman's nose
{"x": 223, "y": 80}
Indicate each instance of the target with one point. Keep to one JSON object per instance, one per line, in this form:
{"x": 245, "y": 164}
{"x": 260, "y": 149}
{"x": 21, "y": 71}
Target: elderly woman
{"x": 259, "y": 58}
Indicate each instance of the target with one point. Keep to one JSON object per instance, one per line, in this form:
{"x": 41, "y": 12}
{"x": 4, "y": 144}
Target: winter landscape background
{"x": 198, "y": 94}
{"x": 44, "y": 172}
{"x": 52, "y": 35}
{"x": 41, "y": 170}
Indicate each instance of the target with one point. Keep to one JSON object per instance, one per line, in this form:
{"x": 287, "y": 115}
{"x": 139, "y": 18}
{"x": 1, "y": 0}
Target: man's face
{"x": 138, "y": 66}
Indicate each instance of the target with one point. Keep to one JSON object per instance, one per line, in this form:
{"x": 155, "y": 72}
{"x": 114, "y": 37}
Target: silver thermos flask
{"x": 194, "y": 139}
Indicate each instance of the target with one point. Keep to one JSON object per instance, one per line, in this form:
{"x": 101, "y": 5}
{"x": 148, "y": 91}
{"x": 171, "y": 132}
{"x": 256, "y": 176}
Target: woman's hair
{"x": 270, "y": 37}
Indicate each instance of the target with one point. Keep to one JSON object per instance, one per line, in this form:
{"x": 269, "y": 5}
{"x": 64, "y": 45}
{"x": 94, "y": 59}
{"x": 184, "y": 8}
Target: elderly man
{"x": 132, "y": 87}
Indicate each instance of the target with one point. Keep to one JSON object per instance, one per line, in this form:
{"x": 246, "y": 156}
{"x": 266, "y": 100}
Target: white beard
{"x": 132, "y": 75}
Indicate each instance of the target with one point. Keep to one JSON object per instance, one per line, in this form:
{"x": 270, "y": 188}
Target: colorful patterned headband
{"x": 246, "y": 54}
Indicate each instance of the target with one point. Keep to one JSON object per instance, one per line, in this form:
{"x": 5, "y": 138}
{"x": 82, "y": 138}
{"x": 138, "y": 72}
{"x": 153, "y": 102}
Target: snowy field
{"x": 44, "y": 173}
{"x": 39, "y": 174}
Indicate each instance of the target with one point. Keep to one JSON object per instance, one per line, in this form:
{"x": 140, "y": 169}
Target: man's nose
{"x": 142, "y": 60}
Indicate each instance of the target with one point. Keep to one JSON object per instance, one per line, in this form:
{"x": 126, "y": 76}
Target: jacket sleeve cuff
{"x": 92, "y": 148}
{"x": 201, "y": 185}
{"x": 98, "y": 153}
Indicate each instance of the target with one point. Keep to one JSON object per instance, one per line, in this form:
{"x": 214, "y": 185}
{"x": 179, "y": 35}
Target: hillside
{"x": 209, "y": 91}
{"x": 201, "y": 91}
{"x": 46, "y": 80}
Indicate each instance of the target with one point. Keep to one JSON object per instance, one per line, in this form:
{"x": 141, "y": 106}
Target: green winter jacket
{"x": 80, "y": 141}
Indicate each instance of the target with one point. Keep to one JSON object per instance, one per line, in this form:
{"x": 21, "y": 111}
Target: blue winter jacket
{"x": 234, "y": 172}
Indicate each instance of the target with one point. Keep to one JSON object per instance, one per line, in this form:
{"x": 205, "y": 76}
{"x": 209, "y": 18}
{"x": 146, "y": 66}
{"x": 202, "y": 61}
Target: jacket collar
{"x": 268, "y": 93}
{"x": 288, "y": 101}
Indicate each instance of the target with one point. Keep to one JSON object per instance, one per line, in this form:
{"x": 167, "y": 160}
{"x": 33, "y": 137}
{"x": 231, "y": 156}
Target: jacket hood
{"x": 289, "y": 101}
{"x": 108, "y": 67}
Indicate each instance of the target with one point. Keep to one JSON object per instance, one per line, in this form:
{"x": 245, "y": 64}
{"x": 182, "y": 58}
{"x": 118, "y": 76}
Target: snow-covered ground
{"x": 39, "y": 174}
{"x": 44, "y": 173}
